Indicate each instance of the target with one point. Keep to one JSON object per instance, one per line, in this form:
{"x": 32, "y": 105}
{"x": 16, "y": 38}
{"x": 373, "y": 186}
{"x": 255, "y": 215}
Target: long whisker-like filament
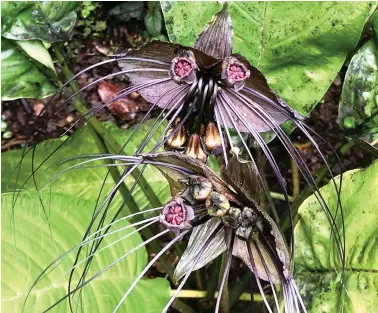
{"x": 148, "y": 266}
{"x": 179, "y": 89}
{"x": 226, "y": 272}
{"x": 108, "y": 201}
{"x": 96, "y": 65}
{"x": 296, "y": 291}
{"x": 147, "y": 222}
{"x": 297, "y": 158}
{"x": 255, "y": 273}
{"x": 121, "y": 94}
{"x": 222, "y": 138}
{"x": 225, "y": 104}
{"x": 305, "y": 128}
{"x": 267, "y": 274}
{"x": 193, "y": 265}
{"x": 54, "y": 264}
{"x": 105, "y": 269}
{"x": 178, "y": 106}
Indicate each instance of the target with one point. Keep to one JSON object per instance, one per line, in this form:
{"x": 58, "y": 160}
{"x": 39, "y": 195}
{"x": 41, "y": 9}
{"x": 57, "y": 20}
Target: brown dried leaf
{"x": 124, "y": 108}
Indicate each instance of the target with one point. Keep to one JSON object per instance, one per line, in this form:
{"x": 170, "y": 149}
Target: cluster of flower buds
{"x": 179, "y": 213}
{"x": 244, "y": 220}
{"x": 176, "y": 136}
{"x": 198, "y": 146}
{"x": 198, "y": 189}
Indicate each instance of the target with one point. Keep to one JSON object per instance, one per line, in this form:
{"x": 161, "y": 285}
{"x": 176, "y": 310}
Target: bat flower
{"x": 220, "y": 214}
{"x": 205, "y": 92}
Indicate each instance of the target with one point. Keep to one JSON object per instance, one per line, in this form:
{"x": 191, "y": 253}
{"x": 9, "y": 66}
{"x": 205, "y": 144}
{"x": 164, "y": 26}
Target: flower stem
{"x": 213, "y": 281}
{"x": 182, "y": 307}
{"x": 238, "y": 287}
{"x": 266, "y": 201}
{"x": 280, "y": 196}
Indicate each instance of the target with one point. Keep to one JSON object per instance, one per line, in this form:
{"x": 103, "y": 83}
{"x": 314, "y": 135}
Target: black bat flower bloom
{"x": 206, "y": 95}
{"x": 222, "y": 214}
{"x": 204, "y": 91}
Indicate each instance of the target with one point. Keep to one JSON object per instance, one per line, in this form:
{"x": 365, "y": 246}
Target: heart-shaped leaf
{"x": 299, "y": 46}
{"x": 27, "y": 70}
{"x": 49, "y": 21}
{"x": 317, "y": 272}
{"x": 29, "y": 243}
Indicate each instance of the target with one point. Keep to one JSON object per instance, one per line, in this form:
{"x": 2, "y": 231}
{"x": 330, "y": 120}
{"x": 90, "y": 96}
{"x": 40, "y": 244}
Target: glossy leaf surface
{"x": 27, "y": 70}
{"x": 31, "y": 242}
{"x": 50, "y": 21}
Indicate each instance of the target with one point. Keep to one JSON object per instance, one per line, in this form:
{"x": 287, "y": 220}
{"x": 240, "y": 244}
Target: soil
{"x": 60, "y": 116}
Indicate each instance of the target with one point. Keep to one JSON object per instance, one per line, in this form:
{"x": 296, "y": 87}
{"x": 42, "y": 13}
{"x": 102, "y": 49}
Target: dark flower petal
{"x": 216, "y": 39}
{"x": 244, "y": 173}
{"x": 196, "y": 242}
{"x": 161, "y": 52}
{"x": 249, "y": 115}
{"x": 192, "y": 165}
{"x": 159, "y": 55}
{"x": 271, "y": 234}
{"x": 240, "y": 251}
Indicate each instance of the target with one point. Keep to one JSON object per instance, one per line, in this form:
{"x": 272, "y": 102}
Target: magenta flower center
{"x": 182, "y": 68}
{"x": 236, "y": 72}
{"x": 175, "y": 215}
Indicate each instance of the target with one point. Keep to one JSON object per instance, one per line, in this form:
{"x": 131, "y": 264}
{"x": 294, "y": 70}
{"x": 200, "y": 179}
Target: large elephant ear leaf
{"x": 31, "y": 238}
{"x": 358, "y": 109}
{"x": 317, "y": 270}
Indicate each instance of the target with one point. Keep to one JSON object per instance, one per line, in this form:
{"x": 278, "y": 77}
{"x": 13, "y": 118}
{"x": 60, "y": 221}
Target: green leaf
{"x": 31, "y": 242}
{"x": 315, "y": 254}
{"x": 27, "y": 70}
{"x": 75, "y": 182}
{"x": 126, "y": 11}
{"x": 358, "y": 109}
{"x": 153, "y": 22}
{"x": 299, "y": 46}
{"x": 49, "y": 21}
